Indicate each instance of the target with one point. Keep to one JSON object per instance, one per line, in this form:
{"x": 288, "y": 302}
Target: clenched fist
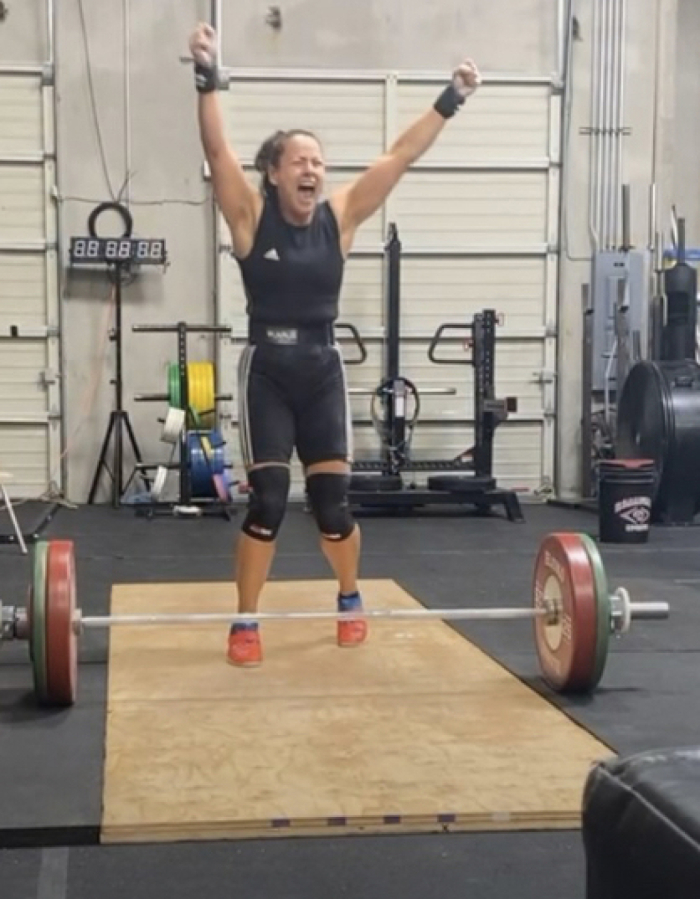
{"x": 466, "y": 78}
{"x": 203, "y": 45}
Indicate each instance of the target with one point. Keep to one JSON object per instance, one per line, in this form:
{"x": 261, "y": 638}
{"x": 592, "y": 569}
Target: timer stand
{"x": 119, "y": 254}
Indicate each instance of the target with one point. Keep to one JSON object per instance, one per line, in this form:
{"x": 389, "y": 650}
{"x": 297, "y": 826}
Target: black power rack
{"x": 468, "y": 479}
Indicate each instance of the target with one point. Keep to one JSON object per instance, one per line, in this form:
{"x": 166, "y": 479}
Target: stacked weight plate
{"x": 200, "y": 391}
{"x": 206, "y": 459}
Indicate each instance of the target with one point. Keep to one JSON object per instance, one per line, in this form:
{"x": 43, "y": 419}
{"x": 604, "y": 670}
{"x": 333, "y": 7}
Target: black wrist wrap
{"x": 448, "y": 102}
{"x": 205, "y": 78}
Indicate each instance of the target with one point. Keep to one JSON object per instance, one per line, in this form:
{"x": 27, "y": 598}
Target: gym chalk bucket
{"x": 626, "y": 490}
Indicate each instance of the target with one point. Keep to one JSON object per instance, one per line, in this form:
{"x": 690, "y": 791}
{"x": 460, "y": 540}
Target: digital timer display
{"x": 117, "y": 249}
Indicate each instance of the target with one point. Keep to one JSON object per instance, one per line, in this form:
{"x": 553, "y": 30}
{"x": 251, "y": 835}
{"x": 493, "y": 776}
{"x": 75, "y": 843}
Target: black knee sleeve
{"x": 267, "y": 501}
{"x": 328, "y": 499}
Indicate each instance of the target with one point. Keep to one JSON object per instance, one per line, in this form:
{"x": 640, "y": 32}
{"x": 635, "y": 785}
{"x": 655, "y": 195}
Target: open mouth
{"x": 307, "y": 191}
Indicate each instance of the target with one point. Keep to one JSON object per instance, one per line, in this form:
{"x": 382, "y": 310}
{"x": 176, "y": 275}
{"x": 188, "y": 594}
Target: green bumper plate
{"x": 37, "y": 634}
{"x": 604, "y": 613}
{"x": 174, "y": 385}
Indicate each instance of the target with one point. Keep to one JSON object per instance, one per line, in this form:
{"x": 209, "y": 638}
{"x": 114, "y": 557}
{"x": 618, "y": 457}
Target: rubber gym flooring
{"x": 51, "y": 763}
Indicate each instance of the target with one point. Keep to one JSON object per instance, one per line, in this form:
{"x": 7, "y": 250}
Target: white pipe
{"x": 621, "y": 122}
{"x": 50, "y": 33}
{"x": 609, "y": 121}
{"x": 599, "y": 119}
{"x": 216, "y": 17}
{"x": 600, "y": 124}
{"x": 126, "y": 5}
{"x": 655, "y": 106}
{"x": 594, "y": 147}
{"x": 610, "y": 196}
{"x": 562, "y": 26}
{"x": 617, "y": 166}
{"x": 610, "y": 184}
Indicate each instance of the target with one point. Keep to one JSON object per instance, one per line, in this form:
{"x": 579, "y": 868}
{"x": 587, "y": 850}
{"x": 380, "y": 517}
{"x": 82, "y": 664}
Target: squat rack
{"x": 466, "y": 479}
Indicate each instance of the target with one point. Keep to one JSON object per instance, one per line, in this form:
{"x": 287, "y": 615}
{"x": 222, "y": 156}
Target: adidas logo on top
{"x": 272, "y": 254}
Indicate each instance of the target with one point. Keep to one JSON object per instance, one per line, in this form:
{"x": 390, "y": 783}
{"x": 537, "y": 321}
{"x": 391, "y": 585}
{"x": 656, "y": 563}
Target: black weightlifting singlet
{"x": 293, "y": 274}
{"x": 291, "y": 378}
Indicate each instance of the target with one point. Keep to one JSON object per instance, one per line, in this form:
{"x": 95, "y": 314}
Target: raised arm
{"x": 357, "y": 201}
{"x": 238, "y": 199}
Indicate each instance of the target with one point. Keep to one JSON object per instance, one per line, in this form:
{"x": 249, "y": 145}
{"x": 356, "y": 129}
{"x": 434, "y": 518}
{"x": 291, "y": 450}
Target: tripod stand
{"x": 119, "y": 417}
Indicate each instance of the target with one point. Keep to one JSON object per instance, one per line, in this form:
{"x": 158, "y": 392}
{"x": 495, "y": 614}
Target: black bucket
{"x": 626, "y": 489}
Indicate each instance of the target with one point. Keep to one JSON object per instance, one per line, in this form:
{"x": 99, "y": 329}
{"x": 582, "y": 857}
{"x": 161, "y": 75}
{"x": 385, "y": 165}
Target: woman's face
{"x": 299, "y": 177}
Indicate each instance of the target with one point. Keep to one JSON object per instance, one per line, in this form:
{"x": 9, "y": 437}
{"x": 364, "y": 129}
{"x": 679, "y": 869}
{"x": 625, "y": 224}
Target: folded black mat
{"x": 641, "y": 826}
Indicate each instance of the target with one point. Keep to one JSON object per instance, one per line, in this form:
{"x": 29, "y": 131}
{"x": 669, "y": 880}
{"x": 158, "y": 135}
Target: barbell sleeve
{"x": 650, "y": 611}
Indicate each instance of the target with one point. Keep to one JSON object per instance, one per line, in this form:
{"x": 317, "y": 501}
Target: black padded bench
{"x": 641, "y": 826}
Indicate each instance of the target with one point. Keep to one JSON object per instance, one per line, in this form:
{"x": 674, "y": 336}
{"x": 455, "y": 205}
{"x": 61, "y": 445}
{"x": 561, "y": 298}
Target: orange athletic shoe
{"x": 351, "y": 632}
{"x": 244, "y": 647}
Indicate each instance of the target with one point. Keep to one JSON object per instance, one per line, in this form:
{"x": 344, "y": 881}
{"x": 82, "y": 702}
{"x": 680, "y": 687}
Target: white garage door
{"x": 477, "y": 220}
{"x": 30, "y": 407}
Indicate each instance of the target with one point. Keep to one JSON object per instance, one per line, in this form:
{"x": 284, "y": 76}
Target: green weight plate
{"x": 174, "y": 385}
{"x": 37, "y": 631}
{"x": 604, "y": 611}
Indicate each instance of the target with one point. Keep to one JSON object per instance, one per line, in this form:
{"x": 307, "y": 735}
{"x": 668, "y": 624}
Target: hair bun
{"x": 267, "y": 152}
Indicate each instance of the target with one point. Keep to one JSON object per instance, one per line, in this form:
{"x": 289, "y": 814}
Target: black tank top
{"x": 293, "y": 274}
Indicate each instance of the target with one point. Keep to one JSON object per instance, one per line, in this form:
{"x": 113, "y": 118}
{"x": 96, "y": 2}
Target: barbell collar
{"x": 624, "y": 611}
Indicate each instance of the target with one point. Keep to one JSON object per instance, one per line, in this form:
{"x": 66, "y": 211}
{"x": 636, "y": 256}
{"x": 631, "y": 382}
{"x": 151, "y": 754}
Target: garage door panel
{"x": 476, "y": 209}
{"x": 454, "y": 290}
{"x": 343, "y": 116}
{"x": 20, "y": 115}
{"x": 23, "y": 449}
{"x": 498, "y": 123}
{"x": 21, "y": 391}
{"x": 21, "y": 216}
{"x": 22, "y": 291}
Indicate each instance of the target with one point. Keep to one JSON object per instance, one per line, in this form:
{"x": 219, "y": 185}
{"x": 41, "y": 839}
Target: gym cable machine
{"x": 466, "y": 479}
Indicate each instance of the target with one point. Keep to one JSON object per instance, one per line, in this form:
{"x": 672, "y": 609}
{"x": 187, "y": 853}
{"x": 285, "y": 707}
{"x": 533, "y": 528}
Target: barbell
{"x": 572, "y": 611}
